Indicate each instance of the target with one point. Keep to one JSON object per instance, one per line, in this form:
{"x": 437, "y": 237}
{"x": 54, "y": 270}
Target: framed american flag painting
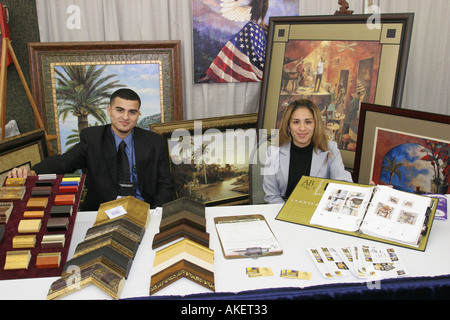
{"x": 230, "y": 37}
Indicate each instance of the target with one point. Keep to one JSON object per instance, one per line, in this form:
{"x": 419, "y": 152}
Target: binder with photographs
{"x": 378, "y": 213}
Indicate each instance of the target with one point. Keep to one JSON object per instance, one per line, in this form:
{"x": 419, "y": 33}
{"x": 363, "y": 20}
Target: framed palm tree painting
{"x": 72, "y": 83}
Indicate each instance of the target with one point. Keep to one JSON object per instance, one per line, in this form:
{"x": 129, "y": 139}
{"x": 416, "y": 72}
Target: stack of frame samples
{"x": 105, "y": 257}
{"x": 182, "y": 246}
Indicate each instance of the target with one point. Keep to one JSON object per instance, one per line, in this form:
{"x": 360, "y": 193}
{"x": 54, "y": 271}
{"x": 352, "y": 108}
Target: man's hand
{"x": 21, "y": 172}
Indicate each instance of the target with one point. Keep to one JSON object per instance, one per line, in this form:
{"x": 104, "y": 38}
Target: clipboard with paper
{"x": 246, "y": 236}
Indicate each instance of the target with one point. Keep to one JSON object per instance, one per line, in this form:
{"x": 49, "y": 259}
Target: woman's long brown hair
{"x": 320, "y": 138}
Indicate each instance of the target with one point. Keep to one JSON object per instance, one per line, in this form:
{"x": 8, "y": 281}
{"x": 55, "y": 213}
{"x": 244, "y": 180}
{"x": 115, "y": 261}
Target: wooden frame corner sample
{"x": 97, "y": 274}
{"x": 188, "y": 218}
{"x": 182, "y": 268}
{"x": 183, "y": 205}
{"x": 137, "y": 211}
{"x": 184, "y": 258}
{"x": 183, "y": 231}
{"x": 337, "y": 62}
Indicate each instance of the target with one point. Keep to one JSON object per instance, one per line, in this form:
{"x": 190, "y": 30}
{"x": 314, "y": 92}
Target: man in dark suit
{"x": 97, "y": 152}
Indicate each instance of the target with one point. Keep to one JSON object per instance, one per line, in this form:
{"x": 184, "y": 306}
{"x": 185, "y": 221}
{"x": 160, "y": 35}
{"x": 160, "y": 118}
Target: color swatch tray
{"x": 34, "y": 269}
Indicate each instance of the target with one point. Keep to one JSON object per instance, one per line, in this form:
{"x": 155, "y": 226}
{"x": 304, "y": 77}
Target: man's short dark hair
{"x": 126, "y": 94}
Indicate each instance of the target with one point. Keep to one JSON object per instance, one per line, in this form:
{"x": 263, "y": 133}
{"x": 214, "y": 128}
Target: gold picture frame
{"x": 25, "y": 149}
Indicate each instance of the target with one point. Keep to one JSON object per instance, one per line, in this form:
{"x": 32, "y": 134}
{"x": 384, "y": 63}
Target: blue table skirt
{"x": 430, "y": 288}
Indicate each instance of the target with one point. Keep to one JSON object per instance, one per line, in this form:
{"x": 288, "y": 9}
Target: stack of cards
{"x": 364, "y": 262}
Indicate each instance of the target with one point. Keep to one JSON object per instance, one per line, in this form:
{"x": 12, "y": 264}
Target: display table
{"x": 426, "y": 269}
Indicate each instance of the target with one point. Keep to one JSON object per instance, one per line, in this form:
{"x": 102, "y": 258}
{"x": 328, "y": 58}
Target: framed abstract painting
{"x": 407, "y": 149}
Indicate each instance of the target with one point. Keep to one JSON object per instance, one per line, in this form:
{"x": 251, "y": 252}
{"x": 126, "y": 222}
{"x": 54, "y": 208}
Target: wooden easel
{"x": 7, "y": 57}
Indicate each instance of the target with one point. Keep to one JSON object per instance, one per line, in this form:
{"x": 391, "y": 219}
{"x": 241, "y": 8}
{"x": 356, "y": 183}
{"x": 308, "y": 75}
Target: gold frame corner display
{"x": 25, "y": 149}
{"x": 151, "y": 68}
{"x": 337, "y": 62}
{"x": 212, "y": 146}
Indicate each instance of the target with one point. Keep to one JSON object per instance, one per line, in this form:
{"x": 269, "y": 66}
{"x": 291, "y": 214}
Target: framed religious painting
{"x": 71, "y": 83}
{"x": 338, "y": 62}
{"x": 210, "y": 157}
{"x": 407, "y": 149}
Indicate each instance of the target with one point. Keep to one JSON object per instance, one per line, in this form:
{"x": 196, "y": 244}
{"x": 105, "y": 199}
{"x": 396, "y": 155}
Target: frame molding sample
{"x": 106, "y": 255}
{"x": 184, "y": 258}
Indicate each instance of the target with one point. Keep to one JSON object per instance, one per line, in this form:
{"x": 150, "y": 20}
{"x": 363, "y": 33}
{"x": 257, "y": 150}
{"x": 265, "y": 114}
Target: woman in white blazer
{"x": 303, "y": 149}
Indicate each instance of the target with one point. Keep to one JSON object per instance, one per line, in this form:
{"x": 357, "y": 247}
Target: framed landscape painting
{"x": 72, "y": 83}
{"x": 338, "y": 62}
{"x": 210, "y": 157}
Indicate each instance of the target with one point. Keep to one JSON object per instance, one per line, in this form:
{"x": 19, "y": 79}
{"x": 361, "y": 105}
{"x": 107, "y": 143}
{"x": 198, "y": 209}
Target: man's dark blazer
{"x": 96, "y": 152}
